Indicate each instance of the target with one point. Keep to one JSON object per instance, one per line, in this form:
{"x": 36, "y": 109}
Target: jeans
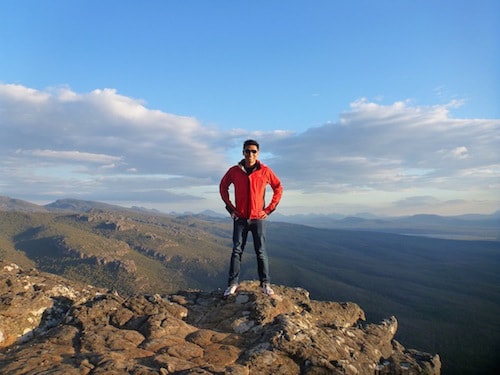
{"x": 241, "y": 228}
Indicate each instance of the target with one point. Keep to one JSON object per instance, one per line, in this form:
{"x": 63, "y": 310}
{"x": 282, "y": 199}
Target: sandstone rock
{"x": 33, "y": 302}
{"x": 49, "y": 325}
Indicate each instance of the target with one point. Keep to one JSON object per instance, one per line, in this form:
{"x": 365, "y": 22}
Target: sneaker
{"x": 231, "y": 290}
{"x": 266, "y": 289}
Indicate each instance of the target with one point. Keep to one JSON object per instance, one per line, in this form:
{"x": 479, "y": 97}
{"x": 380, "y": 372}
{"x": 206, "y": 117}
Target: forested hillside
{"x": 443, "y": 292}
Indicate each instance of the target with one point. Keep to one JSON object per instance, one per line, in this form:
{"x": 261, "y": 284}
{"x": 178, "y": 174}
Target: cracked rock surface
{"x": 53, "y": 326}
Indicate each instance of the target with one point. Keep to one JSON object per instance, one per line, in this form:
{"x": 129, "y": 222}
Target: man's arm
{"x": 224, "y": 192}
{"x": 275, "y": 184}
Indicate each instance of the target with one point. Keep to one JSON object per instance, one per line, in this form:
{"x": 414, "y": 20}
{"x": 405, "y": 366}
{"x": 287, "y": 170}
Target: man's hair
{"x": 251, "y": 142}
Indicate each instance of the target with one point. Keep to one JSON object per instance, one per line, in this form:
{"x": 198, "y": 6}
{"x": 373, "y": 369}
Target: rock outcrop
{"x": 49, "y": 325}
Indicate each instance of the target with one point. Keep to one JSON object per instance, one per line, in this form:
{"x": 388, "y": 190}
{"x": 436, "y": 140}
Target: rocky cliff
{"x": 49, "y": 325}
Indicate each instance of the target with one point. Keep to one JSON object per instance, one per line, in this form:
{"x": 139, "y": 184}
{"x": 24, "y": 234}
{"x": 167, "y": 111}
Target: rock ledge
{"x": 51, "y": 325}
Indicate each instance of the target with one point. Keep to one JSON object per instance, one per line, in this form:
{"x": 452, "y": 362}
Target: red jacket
{"x": 249, "y": 191}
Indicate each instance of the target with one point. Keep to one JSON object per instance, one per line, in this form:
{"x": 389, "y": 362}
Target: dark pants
{"x": 241, "y": 228}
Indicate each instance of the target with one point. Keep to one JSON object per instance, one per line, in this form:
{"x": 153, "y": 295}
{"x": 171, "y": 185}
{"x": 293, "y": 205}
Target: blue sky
{"x": 390, "y": 107}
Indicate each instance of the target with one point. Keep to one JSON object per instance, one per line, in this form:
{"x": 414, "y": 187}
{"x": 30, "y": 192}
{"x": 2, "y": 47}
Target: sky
{"x": 387, "y": 107}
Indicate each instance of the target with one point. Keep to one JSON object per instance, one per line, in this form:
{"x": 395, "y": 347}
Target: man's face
{"x": 251, "y": 152}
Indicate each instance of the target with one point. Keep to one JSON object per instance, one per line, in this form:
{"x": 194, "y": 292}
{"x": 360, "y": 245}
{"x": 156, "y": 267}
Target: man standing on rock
{"x": 249, "y": 178}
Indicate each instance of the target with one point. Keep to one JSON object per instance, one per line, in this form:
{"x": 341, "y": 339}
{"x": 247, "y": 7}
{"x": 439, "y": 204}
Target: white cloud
{"x": 460, "y": 152}
{"x": 71, "y": 156}
{"x": 13, "y": 93}
{"x": 390, "y": 148}
{"x": 105, "y": 146}
{"x": 105, "y": 123}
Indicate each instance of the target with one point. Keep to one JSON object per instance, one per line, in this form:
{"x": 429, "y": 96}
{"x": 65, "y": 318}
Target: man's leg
{"x": 258, "y": 228}
{"x": 240, "y": 233}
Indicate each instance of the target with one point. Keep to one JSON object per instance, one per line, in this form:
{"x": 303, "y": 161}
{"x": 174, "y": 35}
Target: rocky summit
{"x": 49, "y": 325}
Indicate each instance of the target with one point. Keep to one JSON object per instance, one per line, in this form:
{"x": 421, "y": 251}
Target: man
{"x": 249, "y": 178}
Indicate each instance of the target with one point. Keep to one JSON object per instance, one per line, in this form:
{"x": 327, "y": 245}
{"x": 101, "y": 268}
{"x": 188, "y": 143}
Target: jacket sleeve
{"x": 224, "y": 191}
{"x": 275, "y": 184}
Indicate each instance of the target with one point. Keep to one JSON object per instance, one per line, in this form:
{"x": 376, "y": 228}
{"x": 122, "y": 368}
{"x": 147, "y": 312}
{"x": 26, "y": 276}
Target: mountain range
{"x": 466, "y": 226}
{"x": 470, "y": 226}
{"x": 444, "y": 292}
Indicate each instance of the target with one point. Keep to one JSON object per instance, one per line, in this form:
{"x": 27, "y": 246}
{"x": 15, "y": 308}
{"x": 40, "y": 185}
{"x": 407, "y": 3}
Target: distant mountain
{"x": 11, "y": 204}
{"x": 211, "y": 213}
{"x": 366, "y": 215}
{"x": 493, "y": 216}
{"x": 305, "y": 217}
{"x": 472, "y": 226}
{"x": 77, "y": 205}
{"x": 147, "y": 210}
{"x": 468, "y": 226}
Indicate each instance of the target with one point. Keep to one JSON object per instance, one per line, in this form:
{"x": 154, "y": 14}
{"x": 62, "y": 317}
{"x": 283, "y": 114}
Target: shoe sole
{"x": 231, "y": 295}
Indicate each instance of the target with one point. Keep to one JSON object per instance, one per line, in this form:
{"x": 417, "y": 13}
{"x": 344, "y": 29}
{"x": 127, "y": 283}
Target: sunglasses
{"x": 250, "y": 151}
